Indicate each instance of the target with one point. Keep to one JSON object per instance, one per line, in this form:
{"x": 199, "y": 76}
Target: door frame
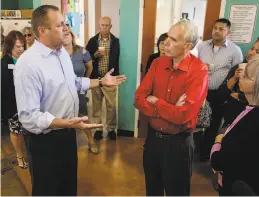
{"x": 140, "y": 35}
{"x": 148, "y": 46}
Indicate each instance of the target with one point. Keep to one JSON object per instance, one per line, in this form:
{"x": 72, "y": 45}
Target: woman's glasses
{"x": 27, "y": 35}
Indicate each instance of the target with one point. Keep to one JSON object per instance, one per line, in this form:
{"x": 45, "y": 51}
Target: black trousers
{"x": 53, "y": 163}
{"x": 211, "y": 133}
{"x": 168, "y": 164}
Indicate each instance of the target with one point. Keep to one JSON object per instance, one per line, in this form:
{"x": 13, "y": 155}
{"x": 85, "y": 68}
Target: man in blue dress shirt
{"x": 46, "y": 94}
{"x": 220, "y": 54}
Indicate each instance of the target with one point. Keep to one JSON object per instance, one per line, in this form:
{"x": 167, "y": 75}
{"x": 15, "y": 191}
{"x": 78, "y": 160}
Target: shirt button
{"x": 168, "y": 90}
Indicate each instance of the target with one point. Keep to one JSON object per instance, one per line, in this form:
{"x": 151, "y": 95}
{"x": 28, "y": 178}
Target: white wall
{"x": 81, "y": 39}
{"x": 111, "y": 8}
{"x": 164, "y": 17}
{"x": 91, "y": 18}
{"x": 199, "y": 16}
{"x": 14, "y": 24}
{"x": 168, "y": 13}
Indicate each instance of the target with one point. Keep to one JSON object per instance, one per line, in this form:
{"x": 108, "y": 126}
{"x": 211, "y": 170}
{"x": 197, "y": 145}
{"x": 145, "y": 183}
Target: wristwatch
{"x": 219, "y": 138}
{"x": 100, "y": 82}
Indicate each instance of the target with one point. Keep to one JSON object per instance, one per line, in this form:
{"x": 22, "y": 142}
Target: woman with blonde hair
{"x": 235, "y": 153}
{"x": 29, "y": 36}
{"x": 83, "y": 67}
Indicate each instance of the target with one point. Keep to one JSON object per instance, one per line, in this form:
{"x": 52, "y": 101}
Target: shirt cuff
{"x": 215, "y": 147}
{"x": 85, "y": 85}
{"x": 45, "y": 121}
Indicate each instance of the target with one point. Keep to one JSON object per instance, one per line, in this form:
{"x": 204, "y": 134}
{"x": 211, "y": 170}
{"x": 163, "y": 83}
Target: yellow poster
{"x": 70, "y": 5}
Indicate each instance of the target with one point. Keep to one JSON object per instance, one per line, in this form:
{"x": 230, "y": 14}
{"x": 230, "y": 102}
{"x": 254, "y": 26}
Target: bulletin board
{"x": 70, "y": 10}
{"x": 245, "y": 46}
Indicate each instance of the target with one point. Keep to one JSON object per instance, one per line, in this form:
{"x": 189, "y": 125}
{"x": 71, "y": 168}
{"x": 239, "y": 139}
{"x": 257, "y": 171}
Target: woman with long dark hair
{"x": 13, "y": 48}
{"x": 160, "y": 48}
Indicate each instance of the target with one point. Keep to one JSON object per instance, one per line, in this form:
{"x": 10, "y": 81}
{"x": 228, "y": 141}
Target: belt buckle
{"x": 159, "y": 135}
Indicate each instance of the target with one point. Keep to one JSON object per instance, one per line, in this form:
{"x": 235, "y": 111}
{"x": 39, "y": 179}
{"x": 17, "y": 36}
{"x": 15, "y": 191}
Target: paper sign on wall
{"x": 11, "y": 14}
{"x": 243, "y": 19}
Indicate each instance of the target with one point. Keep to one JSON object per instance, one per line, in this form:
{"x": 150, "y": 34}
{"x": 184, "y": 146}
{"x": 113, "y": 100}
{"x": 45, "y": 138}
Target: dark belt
{"x": 164, "y": 136}
{"x": 50, "y": 133}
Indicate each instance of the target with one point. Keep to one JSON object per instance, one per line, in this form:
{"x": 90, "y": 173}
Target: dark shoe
{"x": 98, "y": 135}
{"x": 214, "y": 181}
{"x": 112, "y": 135}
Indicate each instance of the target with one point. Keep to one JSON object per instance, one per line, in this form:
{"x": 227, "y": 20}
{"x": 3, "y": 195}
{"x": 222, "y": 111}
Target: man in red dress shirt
{"x": 171, "y": 95}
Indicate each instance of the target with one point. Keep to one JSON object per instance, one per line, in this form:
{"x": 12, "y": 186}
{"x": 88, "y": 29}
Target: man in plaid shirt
{"x": 105, "y": 51}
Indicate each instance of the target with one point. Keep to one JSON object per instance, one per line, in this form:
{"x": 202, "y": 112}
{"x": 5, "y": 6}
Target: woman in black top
{"x": 2, "y": 37}
{"x": 234, "y": 100}
{"x": 161, "y": 50}
{"x": 235, "y": 153}
{"x": 13, "y": 48}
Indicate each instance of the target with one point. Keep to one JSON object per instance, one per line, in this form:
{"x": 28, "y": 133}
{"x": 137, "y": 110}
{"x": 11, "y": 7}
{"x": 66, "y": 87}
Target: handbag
{"x": 204, "y": 116}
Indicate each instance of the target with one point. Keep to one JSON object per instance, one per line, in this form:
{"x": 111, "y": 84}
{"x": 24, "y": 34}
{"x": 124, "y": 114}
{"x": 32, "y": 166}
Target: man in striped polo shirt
{"x": 220, "y": 55}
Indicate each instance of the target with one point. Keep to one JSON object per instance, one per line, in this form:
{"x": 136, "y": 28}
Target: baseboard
{"x": 125, "y": 133}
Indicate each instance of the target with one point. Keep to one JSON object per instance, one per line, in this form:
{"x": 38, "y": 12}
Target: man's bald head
{"x": 105, "y": 18}
{"x": 105, "y": 25}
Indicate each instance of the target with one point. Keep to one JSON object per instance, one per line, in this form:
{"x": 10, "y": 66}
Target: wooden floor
{"x": 115, "y": 171}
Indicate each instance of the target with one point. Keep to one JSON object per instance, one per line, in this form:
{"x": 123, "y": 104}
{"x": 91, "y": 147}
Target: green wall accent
{"x": 245, "y": 47}
{"x": 129, "y": 29}
{"x": 36, "y": 3}
{"x": 19, "y": 4}
{"x": 25, "y": 4}
{"x": 9, "y": 5}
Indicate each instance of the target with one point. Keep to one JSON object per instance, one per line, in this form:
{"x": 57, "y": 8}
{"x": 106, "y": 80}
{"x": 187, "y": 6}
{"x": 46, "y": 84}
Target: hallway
{"x": 115, "y": 171}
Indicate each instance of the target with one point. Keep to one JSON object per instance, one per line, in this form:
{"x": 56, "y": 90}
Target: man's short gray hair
{"x": 190, "y": 31}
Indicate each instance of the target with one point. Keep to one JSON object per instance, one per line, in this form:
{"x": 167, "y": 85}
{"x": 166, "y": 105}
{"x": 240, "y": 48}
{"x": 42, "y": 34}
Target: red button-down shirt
{"x": 168, "y": 85}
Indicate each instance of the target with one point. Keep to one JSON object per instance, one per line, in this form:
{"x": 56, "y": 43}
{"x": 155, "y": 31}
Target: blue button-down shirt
{"x": 224, "y": 59}
{"x": 46, "y": 87}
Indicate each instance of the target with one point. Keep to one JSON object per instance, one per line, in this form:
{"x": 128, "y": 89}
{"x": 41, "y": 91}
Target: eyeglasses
{"x": 27, "y": 35}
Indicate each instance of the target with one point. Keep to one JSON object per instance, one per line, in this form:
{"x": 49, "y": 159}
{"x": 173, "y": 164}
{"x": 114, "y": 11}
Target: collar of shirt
{"x": 44, "y": 50}
{"x": 14, "y": 60}
{"x": 183, "y": 65}
{"x": 225, "y": 43}
{"x": 100, "y": 37}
